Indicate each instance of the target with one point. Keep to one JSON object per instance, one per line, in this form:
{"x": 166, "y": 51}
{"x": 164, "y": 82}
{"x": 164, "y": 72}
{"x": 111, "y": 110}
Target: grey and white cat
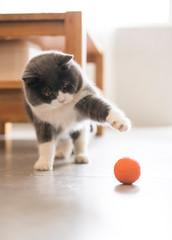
{"x": 61, "y": 104}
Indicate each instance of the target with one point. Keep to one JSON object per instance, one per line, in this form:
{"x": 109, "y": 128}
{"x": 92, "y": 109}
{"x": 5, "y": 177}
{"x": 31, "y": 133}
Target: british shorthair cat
{"x": 62, "y": 105}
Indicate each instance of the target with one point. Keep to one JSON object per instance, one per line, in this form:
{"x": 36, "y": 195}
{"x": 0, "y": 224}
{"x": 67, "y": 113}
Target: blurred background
{"x": 136, "y": 38}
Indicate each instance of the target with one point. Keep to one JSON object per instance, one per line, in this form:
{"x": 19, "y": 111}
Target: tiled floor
{"x": 86, "y": 202}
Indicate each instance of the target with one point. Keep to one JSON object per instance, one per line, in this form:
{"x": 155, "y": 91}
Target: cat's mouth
{"x": 60, "y": 102}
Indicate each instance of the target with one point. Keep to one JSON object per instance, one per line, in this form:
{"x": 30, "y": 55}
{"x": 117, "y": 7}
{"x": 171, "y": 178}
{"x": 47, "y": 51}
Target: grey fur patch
{"x": 45, "y": 131}
{"x": 94, "y": 108}
{"x": 91, "y": 128}
{"x": 74, "y": 135}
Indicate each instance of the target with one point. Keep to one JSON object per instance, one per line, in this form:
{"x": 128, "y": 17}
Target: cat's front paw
{"x": 42, "y": 165}
{"x": 118, "y": 121}
{"x": 81, "y": 159}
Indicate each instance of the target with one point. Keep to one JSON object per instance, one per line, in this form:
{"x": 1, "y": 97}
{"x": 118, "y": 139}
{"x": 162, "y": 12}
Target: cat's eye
{"x": 65, "y": 85}
{"x": 47, "y": 93}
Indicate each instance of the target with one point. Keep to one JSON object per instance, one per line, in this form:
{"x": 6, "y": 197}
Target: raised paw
{"x": 42, "y": 165}
{"x": 118, "y": 121}
{"x": 122, "y": 124}
{"x": 81, "y": 159}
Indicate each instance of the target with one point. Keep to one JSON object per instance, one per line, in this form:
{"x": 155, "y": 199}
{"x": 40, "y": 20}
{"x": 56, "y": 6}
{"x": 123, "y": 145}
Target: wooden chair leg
{"x": 99, "y": 82}
{"x": 2, "y": 128}
{"x": 99, "y": 71}
{"x": 76, "y": 37}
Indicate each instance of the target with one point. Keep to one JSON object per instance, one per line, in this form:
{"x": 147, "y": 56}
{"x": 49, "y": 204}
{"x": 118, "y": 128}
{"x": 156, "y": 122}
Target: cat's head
{"x": 51, "y": 80}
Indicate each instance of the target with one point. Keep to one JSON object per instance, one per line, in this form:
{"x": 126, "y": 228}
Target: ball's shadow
{"x": 126, "y": 189}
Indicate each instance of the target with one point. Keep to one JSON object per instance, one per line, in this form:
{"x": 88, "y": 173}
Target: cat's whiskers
{"x": 83, "y": 104}
{"x": 73, "y": 87}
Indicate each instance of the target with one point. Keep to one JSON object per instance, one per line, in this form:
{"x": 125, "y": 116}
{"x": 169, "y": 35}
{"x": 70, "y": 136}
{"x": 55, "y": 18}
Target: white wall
{"x": 142, "y": 72}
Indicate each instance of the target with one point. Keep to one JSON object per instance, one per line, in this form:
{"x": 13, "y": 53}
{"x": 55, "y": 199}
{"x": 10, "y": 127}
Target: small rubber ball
{"x": 127, "y": 170}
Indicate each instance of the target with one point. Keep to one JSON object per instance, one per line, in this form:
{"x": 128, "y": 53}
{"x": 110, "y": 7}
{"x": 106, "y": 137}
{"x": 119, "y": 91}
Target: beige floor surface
{"x": 86, "y": 202}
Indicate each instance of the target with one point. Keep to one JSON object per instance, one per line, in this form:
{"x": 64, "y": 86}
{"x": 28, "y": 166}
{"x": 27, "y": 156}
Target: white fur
{"x": 117, "y": 119}
{"x": 46, "y": 156}
{"x": 81, "y": 146}
{"x": 64, "y": 97}
{"x": 64, "y": 149}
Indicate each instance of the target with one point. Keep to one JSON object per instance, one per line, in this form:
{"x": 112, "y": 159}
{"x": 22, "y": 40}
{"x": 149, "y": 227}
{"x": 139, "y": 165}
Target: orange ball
{"x": 127, "y": 170}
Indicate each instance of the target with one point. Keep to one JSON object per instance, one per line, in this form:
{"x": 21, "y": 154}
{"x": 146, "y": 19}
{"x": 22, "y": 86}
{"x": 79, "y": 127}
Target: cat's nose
{"x": 61, "y": 100}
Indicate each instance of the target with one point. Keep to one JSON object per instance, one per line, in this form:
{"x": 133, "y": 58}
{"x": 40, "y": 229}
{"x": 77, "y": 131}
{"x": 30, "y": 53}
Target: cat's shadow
{"x": 60, "y": 162}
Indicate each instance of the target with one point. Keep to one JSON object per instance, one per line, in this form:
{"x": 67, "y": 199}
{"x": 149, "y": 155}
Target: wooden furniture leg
{"x": 76, "y": 37}
{"x": 94, "y": 55}
{"x": 99, "y": 81}
{"x": 2, "y": 128}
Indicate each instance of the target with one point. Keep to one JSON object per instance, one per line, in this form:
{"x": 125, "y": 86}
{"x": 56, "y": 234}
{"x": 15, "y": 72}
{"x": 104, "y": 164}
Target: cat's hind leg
{"x": 80, "y": 140}
{"x": 64, "y": 148}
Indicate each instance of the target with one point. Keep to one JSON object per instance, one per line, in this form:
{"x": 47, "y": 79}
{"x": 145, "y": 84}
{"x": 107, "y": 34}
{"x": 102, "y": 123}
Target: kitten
{"x": 61, "y": 103}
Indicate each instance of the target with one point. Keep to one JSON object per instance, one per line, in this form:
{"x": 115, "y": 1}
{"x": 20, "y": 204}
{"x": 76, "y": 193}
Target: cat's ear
{"x": 31, "y": 81}
{"x": 64, "y": 59}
